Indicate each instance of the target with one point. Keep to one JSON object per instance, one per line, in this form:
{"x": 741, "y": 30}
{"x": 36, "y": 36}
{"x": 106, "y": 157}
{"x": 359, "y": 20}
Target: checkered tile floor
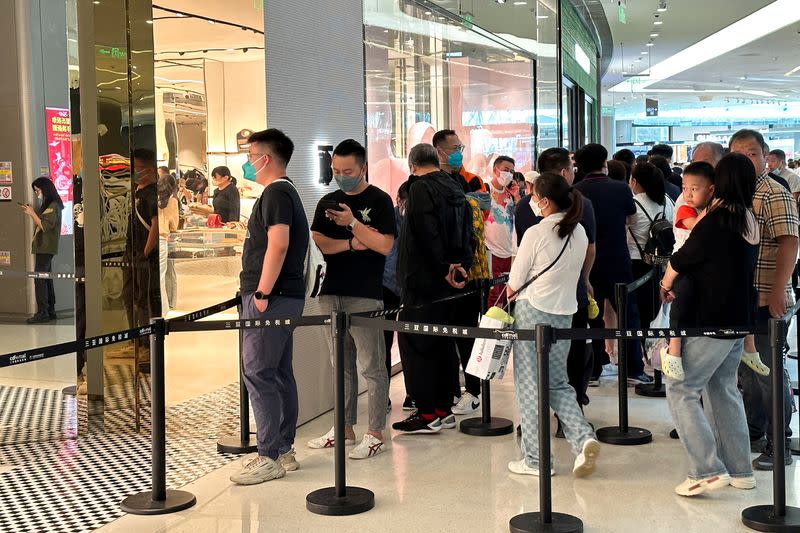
{"x": 76, "y": 485}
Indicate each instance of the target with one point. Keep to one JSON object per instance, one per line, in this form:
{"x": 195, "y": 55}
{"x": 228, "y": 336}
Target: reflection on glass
{"x": 425, "y": 73}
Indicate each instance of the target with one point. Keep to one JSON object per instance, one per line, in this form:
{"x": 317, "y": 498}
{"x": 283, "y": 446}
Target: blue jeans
{"x": 714, "y": 431}
{"x": 268, "y": 374}
{"x": 562, "y": 396}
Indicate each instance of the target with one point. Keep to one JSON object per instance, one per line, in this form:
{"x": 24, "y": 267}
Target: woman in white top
{"x": 647, "y": 185}
{"x": 554, "y": 250}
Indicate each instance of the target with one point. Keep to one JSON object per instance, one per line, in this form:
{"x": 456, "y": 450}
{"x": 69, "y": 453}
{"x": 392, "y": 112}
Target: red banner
{"x": 59, "y": 151}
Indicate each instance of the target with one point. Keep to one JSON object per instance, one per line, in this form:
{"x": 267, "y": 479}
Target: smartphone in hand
{"x": 333, "y": 205}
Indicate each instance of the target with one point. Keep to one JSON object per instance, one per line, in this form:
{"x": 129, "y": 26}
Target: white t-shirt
{"x": 555, "y": 291}
{"x": 501, "y": 238}
{"x": 639, "y": 224}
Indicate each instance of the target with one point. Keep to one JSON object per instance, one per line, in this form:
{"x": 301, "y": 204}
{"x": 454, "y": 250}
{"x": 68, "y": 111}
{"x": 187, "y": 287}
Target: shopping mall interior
{"x": 93, "y": 81}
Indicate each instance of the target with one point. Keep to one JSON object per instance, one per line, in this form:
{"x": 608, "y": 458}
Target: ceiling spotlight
{"x": 181, "y": 53}
{"x": 644, "y": 53}
{"x": 245, "y": 50}
{"x": 520, "y": 3}
{"x": 211, "y": 22}
{"x": 500, "y": 1}
{"x": 149, "y": 21}
{"x": 654, "y": 34}
{"x": 658, "y": 22}
{"x": 650, "y": 44}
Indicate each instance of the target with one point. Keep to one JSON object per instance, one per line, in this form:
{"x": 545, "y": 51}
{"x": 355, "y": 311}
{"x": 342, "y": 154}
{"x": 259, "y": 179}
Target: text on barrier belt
{"x": 251, "y": 323}
{"x": 41, "y": 275}
{"x": 208, "y": 311}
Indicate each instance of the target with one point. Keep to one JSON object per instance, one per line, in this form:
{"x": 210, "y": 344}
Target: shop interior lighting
{"x": 767, "y": 20}
{"x": 174, "y": 13}
{"x": 658, "y": 22}
{"x": 662, "y": 6}
{"x": 650, "y": 44}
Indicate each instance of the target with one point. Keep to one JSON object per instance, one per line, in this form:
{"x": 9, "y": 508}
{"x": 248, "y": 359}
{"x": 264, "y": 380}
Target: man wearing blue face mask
{"x": 354, "y": 228}
{"x": 451, "y": 160}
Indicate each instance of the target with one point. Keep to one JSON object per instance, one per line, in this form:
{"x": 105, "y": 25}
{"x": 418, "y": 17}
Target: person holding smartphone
{"x": 46, "y": 234}
{"x": 354, "y": 228}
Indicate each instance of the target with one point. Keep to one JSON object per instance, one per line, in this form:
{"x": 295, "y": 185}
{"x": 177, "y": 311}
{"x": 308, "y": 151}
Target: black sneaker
{"x": 52, "y": 315}
{"x": 674, "y": 434}
{"x": 560, "y": 431}
{"x": 38, "y": 319}
{"x": 759, "y": 445}
{"x": 408, "y": 404}
{"x": 641, "y": 379}
{"x": 765, "y": 460}
{"x": 416, "y": 424}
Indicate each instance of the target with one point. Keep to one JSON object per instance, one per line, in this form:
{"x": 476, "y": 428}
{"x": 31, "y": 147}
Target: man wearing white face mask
{"x": 354, "y": 228}
{"x": 501, "y": 240}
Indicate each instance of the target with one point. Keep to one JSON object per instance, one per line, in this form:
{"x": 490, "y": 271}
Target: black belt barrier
{"x": 42, "y": 275}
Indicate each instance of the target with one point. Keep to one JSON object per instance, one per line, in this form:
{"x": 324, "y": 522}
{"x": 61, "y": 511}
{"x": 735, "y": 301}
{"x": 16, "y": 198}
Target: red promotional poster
{"x": 59, "y": 152}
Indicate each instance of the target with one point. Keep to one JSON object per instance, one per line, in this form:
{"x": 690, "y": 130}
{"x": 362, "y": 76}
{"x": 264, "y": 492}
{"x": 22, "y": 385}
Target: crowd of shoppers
{"x": 564, "y": 246}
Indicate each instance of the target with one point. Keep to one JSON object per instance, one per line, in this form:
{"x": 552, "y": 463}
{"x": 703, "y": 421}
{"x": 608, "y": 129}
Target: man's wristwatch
{"x": 352, "y": 224}
{"x": 258, "y": 295}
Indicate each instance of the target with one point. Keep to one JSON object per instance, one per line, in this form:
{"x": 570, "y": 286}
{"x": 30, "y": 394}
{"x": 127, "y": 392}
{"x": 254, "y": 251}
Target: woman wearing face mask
{"x": 47, "y": 232}
{"x": 544, "y": 280}
{"x": 226, "y": 196}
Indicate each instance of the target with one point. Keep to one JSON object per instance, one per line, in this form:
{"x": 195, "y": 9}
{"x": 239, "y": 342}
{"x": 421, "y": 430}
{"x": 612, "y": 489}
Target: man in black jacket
{"x": 429, "y": 267}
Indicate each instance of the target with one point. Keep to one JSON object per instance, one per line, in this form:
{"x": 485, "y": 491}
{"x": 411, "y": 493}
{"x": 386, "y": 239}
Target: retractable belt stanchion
{"x": 778, "y": 516}
{"x": 623, "y": 434}
{"x": 794, "y": 442}
{"x": 486, "y": 425}
{"x": 657, "y": 389}
{"x": 340, "y": 499}
{"x": 545, "y": 520}
{"x": 242, "y": 443}
{"x": 159, "y": 500}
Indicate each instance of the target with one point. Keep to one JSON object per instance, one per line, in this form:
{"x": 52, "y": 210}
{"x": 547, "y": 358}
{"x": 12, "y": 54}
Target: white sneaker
{"x": 744, "y": 483}
{"x": 586, "y": 461}
{"x": 467, "y": 404}
{"x": 693, "y": 487}
{"x": 449, "y": 422}
{"x": 258, "y": 470}
{"x": 288, "y": 460}
{"x": 327, "y": 441}
{"x": 368, "y": 447}
{"x": 521, "y": 467}
{"x": 609, "y": 370}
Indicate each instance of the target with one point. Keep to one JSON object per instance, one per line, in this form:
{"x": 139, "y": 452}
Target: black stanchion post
{"x": 545, "y": 520}
{"x": 340, "y": 499}
{"x": 159, "y": 500}
{"x": 242, "y": 443}
{"x": 794, "y": 442}
{"x": 486, "y": 425}
{"x": 775, "y": 517}
{"x": 623, "y": 434}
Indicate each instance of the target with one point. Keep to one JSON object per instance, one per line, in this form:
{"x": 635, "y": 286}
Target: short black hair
{"x": 744, "y": 134}
{"x": 553, "y": 160}
{"x": 352, "y": 147}
{"x": 591, "y": 157}
{"x": 402, "y": 192}
{"x": 661, "y": 164}
{"x": 278, "y": 143}
{"x": 618, "y": 170}
{"x": 701, "y": 168}
{"x": 780, "y": 154}
{"x": 440, "y": 136}
{"x": 221, "y": 171}
{"x": 626, "y": 156}
{"x": 146, "y": 156}
{"x": 663, "y": 150}
{"x": 164, "y": 168}
{"x": 501, "y": 158}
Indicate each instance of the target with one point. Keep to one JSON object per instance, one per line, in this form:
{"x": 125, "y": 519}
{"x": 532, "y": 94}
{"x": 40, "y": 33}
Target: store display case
{"x": 197, "y": 243}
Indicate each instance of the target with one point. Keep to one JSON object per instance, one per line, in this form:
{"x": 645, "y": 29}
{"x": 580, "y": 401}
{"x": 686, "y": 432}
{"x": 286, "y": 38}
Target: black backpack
{"x": 660, "y": 240}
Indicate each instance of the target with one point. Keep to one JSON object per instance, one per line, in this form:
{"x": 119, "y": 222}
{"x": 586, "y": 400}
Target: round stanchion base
{"x": 235, "y": 446}
{"x": 531, "y": 523}
{"x": 72, "y": 390}
{"x": 494, "y": 428}
{"x": 143, "y": 503}
{"x": 762, "y": 518}
{"x": 325, "y": 502}
{"x": 794, "y": 445}
{"x": 632, "y": 437}
{"x": 649, "y": 390}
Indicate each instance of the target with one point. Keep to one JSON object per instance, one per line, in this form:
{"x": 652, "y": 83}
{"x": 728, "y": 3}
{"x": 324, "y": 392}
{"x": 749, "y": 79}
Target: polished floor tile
{"x": 451, "y": 482}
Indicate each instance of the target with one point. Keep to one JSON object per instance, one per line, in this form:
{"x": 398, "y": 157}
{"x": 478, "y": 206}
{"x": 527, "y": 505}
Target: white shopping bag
{"x": 490, "y": 356}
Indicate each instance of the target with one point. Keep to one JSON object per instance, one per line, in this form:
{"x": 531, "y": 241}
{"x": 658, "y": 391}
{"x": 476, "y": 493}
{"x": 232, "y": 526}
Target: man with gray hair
{"x": 434, "y": 254}
{"x": 710, "y": 152}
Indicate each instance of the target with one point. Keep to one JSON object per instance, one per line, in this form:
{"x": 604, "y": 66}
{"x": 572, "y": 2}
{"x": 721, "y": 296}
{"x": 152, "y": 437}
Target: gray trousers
{"x": 364, "y": 348}
{"x": 268, "y": 374}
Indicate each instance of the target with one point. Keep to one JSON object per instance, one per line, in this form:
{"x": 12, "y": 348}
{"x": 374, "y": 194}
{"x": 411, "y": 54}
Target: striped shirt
{"x": 776, "y": 212}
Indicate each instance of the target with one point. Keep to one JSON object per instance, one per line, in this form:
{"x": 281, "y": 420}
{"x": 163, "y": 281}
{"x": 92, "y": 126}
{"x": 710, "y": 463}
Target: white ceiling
{"x": 758, "y": 66}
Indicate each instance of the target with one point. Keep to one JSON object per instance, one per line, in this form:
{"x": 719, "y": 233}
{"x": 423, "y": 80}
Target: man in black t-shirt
{"x": 140, "y": 279}
{"x": 272, "y": 285}
{"x": 354, "y": 228}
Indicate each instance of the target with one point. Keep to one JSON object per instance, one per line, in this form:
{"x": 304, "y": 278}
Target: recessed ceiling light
{"x": 542, "y": 16}
{"x": 521, "y": 3}
{"x": 654, "y": 34}
{"x": 149, "y": 21}
{"x": 644, "y": 53}
{"x": 427, "y": 12}
{"x": 650, "y": 44}
{"x": 658, "y": 22}
{"x": 211, "y": 22}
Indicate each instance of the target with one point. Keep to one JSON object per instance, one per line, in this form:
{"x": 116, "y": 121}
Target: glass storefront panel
{"x": 547, "y": 73}
{"x": 426, "y": 70}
